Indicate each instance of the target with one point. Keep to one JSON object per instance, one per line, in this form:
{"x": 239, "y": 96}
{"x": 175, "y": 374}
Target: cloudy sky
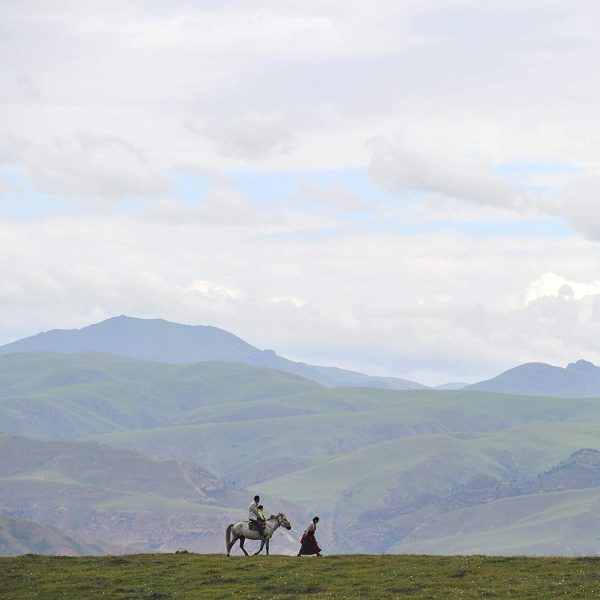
{"x": 404, "y": 188}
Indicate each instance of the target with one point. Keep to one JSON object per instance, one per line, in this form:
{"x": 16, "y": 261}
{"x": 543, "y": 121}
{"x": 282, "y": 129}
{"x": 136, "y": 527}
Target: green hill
{"x": 328, "y": 423}
{"x": 64, "y": 396}
{"x": 553, "y": 523}
{"x": 117, "y": 496}
{"x": 19, "y": 536}
{"x": 377, "y": 465}
{"x": 380, "y": 495}
{"x": 200, "y": 577}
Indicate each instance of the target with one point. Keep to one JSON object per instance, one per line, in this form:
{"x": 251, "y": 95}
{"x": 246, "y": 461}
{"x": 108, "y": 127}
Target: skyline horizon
{"x": 304, "y": 360}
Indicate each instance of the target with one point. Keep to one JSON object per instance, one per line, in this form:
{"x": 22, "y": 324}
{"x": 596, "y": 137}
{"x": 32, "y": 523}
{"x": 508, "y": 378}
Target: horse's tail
{"x": 228, "y": 537}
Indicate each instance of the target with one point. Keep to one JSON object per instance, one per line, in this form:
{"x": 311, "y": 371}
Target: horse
{"x": 241, "y": 531}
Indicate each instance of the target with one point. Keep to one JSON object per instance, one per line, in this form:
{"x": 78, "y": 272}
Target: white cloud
{"x": 94, "y": 168}
{"x": 334, "y": 195}
{"x": 556, "y": 286}
{"x": 252, "y": 137}
{"x": 223, "y": 205}
{"x": 208, "y": 288}
{"x": 100, "y": 101}
{"x": 578, "y": 202}
{"x": 434, "y": 165}
{"x": 289, "y": 301}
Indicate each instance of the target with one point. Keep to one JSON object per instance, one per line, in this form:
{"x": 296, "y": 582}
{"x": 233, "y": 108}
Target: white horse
{"x": 241, "y": 531}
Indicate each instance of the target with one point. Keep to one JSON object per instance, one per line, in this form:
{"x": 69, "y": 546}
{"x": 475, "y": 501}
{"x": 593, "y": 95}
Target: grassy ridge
{"x": 535, "y": 447}
{"x": 197, "y": 576}
{"x": 343, "y": 421}
{"x": 553, "y": 523}
{"x": 59, "y": 396}
{"x": 117, "y": 496}
{"x": 18, "y": 536}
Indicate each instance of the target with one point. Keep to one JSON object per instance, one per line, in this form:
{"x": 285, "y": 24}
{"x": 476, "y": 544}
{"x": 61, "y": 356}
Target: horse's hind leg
{"x": 230, "y": 545}
{"x": 242, "y": 540}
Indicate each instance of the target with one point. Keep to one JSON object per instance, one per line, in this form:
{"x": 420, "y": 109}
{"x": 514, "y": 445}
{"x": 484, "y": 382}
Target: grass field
{"x": 191, "y": 576}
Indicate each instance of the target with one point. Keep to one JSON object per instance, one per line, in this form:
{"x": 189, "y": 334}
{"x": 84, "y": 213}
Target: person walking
{"x": 309, "y": 541}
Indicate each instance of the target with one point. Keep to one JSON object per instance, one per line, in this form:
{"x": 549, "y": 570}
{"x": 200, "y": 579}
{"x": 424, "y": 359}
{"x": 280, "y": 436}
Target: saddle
{"x": 253, "y": 526}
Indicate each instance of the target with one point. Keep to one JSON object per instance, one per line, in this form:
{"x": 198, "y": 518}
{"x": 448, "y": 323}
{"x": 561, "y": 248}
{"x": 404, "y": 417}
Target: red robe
{"x": 309, "y": 542}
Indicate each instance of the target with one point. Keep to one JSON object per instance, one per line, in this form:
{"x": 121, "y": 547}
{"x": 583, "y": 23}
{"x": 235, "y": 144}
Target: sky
{"x": 403, "y": 188}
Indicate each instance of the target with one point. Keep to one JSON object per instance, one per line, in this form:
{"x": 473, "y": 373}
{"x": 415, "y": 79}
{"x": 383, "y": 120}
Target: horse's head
{"x": 283, "y": 521}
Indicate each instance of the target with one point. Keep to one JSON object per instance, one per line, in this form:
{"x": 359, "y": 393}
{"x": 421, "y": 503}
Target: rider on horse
{"x": 256, "y": 515}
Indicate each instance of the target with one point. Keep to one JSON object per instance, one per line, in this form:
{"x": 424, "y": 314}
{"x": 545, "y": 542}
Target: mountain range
{"x": 379, "y": 466}
{"x": 157, "y": 340}
{"x": 102, "y": 451}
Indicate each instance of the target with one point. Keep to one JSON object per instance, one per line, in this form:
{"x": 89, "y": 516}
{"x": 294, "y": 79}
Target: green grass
{"x": 197, "y": 576}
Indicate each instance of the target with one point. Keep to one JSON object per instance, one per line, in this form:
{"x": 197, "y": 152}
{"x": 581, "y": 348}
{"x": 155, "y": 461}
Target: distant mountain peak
{"x": 576, "y": 380}
{"x": 582, "y": 365}
{"x": 159, "y": 340}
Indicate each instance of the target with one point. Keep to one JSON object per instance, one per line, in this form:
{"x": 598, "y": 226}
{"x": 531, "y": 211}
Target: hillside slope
{"x": 117, "y": 496}
{"x": 69, "y": 396}
{"x": 20, "y": 536}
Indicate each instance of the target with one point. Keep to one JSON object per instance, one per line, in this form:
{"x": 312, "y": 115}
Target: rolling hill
{"x": 118, "y": 496}
{"x": 157, "y": 340}
{"x": 20, "y": 536}
{"x": 381, "y": 467}
{"x": 560, "y": 523}
{"x": 385, "y": 493}
{"x": 69, "y": 396}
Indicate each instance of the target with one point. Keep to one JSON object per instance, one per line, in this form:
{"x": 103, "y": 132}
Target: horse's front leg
{"x": 262, "y": 545}
{"x": 242, "y": 540}
{"x": 268, "y": 540}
